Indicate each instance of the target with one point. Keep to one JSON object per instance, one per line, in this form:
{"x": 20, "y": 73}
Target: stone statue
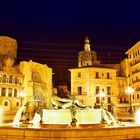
{"x": 62, "y": 99}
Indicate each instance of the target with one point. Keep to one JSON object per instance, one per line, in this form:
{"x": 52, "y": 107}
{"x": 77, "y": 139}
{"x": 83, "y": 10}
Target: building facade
{"x": 91, "y": 77}
{"x": 134, "y": 73}
{"x": 26, "y": 82}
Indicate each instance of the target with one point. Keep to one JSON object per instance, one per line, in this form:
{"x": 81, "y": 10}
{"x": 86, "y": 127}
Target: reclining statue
{"x": 62, "y": 99}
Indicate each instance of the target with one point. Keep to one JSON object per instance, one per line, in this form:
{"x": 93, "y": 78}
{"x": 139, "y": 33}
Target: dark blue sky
{"x": 53, "y": 31}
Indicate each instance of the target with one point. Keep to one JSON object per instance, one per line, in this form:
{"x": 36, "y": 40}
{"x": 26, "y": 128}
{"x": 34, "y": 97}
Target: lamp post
{"x": 22, "y": 95}
{"x": 130, "y": 91}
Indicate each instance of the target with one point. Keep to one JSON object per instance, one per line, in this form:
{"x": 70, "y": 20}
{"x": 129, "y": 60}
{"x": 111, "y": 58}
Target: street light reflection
{"x": 130, "y": 91}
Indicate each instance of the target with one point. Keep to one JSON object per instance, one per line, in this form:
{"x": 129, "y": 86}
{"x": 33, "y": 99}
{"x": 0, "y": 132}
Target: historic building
{"x": 26, "y": 82}
{"x": 91, "y": 78}
{"x": 87, "y": 57}
{"x": 32, "y": 82}
{"x": 134, "y": 73}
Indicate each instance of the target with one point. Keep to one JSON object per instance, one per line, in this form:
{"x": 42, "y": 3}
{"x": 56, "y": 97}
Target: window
{"x": 108, "y": 91}
{"x": 79, "y": 90}
{"x": 3, "y": 92}
{"x": 79, "y": 74}
{"x": 138, "y": 96}
{"x": 108, "y": 75}
{"x": 10, "y": 92}
{"x": 109, "y": 108}
{"x": 16, "y": 80}
{"x": 121, "y": 100}
{"x": 5, "y": 103}
{"x": 109, "y": 100}
{"x": 97, "y": 100}
{"x": 133, "y": 55}
{"x": 97, "y": 89}
{"x": 10, "y": 79}
{"x": 133, "y": 97}
{"x": 4, "y": 78}
{"x": 17, "y": 104}
{"x": 96, "y": 75}
{"x": 15, "y": 92}
{"x": 125, "y": 101}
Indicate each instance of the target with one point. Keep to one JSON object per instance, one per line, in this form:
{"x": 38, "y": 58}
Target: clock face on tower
{"x": 36, "y": 76}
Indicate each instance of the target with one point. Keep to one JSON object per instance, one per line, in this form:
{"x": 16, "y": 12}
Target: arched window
{"x": 4, "y": 78}
{"x": 16, "y": 80}
{"x": 15, "y": 92}
{"x": 10, "y": 79}
{"x": 10, "y": 92}
{"x": 3, "y": 91}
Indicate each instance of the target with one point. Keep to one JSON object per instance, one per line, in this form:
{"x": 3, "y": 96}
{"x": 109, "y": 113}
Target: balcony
{"x": 123, "y": 102}
{"x": 136, "y": 81}
{"x": 135, "y": 72}
{"x": 134, "y": 63}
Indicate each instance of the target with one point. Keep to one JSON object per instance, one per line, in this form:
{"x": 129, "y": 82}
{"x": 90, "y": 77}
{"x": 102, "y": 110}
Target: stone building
{"x": 134, "y": 74}
{"x": 26, "y": 82}
{"x": 11, "y": 79}
{"x": 91, "y": 77}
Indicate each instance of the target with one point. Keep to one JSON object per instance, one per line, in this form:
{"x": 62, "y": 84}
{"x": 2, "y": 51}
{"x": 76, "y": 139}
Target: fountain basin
{"x": 63, "y": 116}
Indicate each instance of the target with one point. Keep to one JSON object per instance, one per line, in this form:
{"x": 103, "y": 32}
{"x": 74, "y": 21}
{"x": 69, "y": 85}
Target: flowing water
{"x": 16, "y": 121}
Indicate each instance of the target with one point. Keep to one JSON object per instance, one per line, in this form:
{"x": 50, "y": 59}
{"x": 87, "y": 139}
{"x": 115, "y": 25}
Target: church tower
{"x": 87, "y": 57}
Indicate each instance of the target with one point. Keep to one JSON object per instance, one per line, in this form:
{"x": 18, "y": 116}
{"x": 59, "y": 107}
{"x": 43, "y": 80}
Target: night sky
{"x": 53, "y": 31}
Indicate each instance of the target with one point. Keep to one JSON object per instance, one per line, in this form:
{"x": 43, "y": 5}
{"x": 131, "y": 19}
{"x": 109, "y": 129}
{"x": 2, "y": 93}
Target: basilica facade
{"x": 26, "y": 82}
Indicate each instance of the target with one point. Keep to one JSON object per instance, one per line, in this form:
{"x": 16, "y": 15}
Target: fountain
{"x": 137, "y": 116}
{"x": 70, "y": 116}
{"x": 66, "y": 110}
{"x": 82, "y": 116}
{"x": 16, "y": 120}
{"x": 1, "y": 115}
{"x": 36, "y": 120}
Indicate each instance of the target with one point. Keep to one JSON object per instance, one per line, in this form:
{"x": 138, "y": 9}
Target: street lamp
{"x": 101, "y": 95}
{"x": 22, "y": 95}
{"x": 130, "y": 91}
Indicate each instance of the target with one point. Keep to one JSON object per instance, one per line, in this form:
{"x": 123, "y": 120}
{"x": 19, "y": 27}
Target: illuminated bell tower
{"x": 87, "y": 57}
{"x": 87, "y": 44}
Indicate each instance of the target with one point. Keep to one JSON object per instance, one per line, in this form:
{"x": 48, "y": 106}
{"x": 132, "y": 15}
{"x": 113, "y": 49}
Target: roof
{"x": 137, "y": 44}
{"x": 95, "y": 66}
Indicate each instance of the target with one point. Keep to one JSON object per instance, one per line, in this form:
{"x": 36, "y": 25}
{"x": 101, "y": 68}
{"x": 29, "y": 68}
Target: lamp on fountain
{"x": 130, "y": 91}
{"x": 21, "y": 95}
